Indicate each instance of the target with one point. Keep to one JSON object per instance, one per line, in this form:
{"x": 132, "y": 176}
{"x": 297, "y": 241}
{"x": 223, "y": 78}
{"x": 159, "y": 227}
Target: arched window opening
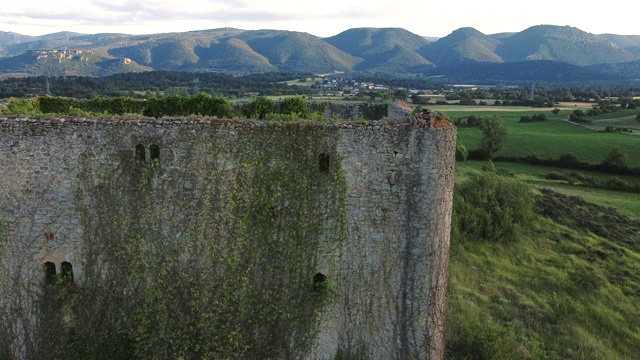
{"x": 323, "y": 162}
{"x": 140, "y": 153}
{"x": 66, "y": 272}
{"x": 154, "y": 152}
{"x": 49, "y": 272}
{"x": 319, "y": 281}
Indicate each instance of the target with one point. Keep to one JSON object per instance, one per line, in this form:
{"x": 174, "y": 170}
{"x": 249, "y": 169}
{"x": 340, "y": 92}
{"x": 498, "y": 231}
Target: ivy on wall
{"x": 213, "y": 253}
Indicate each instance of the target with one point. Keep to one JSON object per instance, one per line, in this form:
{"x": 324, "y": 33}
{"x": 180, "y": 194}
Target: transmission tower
{"x": 532, "y": 96}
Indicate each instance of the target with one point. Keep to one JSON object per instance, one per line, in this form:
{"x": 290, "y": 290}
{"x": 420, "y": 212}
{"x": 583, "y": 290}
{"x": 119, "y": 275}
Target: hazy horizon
{"x": 329, "y": 18}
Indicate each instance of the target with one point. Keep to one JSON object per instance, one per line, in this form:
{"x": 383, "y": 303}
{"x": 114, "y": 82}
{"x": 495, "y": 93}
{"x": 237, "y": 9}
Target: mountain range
{"x": 542, "y": 53}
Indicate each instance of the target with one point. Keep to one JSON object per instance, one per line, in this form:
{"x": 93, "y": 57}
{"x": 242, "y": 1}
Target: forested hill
{"x": 379, "y": 50}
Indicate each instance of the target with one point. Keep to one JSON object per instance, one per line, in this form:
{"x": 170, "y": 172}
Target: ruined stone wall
{"x": 361, "y": 209}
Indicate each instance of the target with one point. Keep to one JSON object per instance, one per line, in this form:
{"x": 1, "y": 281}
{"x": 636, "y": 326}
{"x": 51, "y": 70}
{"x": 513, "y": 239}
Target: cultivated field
{"x": 548, "y": 139}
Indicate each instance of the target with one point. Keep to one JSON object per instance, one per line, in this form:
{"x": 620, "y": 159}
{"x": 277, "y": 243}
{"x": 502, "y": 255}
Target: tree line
{"x": 156, "y": 82}
{"x": 289, "y": 108}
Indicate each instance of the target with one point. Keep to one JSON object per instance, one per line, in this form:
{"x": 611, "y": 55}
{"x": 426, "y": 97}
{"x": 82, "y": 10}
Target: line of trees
{"x": 177, "y": 105}
{"x": 155, "y": 82}
{"x": 289, "y": 108}
{"x": 172, "y": 105}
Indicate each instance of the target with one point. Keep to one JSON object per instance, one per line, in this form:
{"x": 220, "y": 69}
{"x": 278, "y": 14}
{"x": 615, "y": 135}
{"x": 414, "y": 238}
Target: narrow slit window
{"x": 140, "y": 153}
{"x": 66, "y": 272}
{"x": 155, "y": 152}
{"x": 324, "y": 162}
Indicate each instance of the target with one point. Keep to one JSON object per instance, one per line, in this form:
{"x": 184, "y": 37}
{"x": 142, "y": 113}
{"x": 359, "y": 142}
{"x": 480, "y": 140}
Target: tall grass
{"x": 567, "y": 289}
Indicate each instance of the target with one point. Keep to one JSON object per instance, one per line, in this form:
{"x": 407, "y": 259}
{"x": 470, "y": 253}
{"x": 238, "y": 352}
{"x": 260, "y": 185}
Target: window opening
{"x": 323, "y": 162}
{"x": 319, "y": 280}
{"x": 154, "y": 152}
{"x": 66, "y": 272}
{"x": 140, "y": 153}
{"x": 49, "y": 272}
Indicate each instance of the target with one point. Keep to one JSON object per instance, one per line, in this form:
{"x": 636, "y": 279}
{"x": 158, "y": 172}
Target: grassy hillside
{"x": 566, "y": 288}
{"x": 627, "y": 203}
{"x": 565, "y": 285}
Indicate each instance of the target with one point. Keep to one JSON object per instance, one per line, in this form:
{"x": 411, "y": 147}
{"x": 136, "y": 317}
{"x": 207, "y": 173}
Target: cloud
{"x": 327, "y": 17}
{"x": 128, "y": 11}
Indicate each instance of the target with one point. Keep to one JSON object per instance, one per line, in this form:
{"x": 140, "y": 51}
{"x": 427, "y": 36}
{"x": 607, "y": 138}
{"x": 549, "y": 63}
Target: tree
{"x": 294, "y": 106}
{"x": 22, "y": 107}
{"x": 494, "y": 135}
{"x": 261, "y": 107}
{"x": 488, "y": 207}
{"x": 616, "y": 159}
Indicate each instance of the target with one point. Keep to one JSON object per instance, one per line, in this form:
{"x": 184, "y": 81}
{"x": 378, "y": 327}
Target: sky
{"x": 322, "y": 18}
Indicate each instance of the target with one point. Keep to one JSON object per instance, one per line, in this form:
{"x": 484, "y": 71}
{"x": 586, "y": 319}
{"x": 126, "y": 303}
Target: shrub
{"x": 533, "y": 118}
{"x": 568, "y": 160}
{"x": 22, "y": 107}
{"x": 261, "y": 107}
{"x": 471, "y": 336}
{"x": 461, "y": 153}
{"x": 488, "y": 207}
{"x": 586, "y": 278}
{"x": 489, "y": 167}
{"x": 473, "y": 120}
{"x": 294, "y": 106}
{"x": 616, "y": 159}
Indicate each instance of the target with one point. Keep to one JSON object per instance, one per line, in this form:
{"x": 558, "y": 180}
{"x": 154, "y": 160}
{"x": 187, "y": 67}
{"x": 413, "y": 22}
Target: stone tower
{"x": 232, "y": 238}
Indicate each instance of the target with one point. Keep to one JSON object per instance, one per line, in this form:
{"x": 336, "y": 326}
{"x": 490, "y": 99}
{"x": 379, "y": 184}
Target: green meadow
{"x": 554, "y": 137}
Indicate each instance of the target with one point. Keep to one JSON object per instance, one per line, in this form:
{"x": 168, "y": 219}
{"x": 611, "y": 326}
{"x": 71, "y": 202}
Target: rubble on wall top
{"x": 422, "y": 120}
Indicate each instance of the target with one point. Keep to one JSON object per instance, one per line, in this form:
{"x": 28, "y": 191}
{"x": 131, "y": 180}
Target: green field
{"x": 626, "y": 202}
{"x": 551, "y": 138}
{"x": 622, "y": 121}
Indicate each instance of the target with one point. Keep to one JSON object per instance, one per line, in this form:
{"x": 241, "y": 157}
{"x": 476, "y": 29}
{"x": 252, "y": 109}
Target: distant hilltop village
{"x": 60, "y": 54}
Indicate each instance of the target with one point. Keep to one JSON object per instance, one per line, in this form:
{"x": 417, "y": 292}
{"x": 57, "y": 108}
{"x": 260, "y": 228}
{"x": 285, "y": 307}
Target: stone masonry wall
{"x": 387, "y": 188}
